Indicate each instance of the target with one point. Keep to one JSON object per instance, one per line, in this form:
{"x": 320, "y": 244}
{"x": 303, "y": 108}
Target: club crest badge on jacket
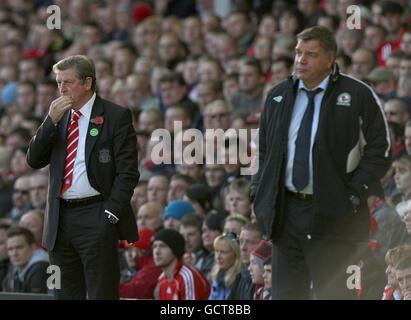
{"x": 104, "y": 156}
{"x": 344, "y": 99}
{"x": 278, "y": 99}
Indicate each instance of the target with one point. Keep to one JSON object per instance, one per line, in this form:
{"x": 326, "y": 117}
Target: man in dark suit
{"x": 323, "y": 148}
{"x": 90, "y": 145}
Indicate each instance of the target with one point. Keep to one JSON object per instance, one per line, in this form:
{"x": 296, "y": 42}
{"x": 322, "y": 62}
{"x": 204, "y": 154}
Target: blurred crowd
{"x": 180, "y": 60}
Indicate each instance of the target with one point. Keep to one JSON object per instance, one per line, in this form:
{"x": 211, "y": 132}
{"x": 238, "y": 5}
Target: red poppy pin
{"x": 97, "y": 120}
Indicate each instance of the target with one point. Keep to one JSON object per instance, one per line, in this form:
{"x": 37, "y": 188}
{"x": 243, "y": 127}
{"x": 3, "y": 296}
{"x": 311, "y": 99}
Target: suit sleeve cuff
{"x": 111, "y": 214}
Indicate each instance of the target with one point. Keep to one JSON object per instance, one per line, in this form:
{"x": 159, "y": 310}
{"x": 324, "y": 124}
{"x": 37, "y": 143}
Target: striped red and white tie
{"x": 72, "y": 142}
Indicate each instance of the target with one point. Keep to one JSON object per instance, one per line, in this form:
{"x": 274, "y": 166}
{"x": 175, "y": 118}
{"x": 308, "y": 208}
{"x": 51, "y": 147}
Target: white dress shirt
{"x": 300, "y": 105}
{"x": 80, "y": 187}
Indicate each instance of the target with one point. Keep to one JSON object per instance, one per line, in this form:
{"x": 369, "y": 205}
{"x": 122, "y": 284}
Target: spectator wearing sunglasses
{"x": 38, "y": 189}
{"x": 20, "y": 198}
{"x": 227, "y": 265}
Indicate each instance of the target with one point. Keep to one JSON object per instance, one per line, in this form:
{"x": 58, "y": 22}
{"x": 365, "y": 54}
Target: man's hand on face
{"x": 58, "y": 107}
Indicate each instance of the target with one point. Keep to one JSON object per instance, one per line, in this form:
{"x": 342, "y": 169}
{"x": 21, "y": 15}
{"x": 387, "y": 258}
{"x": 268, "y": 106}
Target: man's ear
{"x": 88, "y": 82}
{"x": 331, "y": 61}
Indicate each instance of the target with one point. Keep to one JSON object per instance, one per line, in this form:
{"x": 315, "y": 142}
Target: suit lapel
{"x": 64, "y": 122}
{"x": 94, "y": 130}
{"x": 59, "y": 154}
{"x": 63, "y": 125}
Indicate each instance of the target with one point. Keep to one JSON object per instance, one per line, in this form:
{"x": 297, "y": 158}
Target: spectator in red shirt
{"x": 144, "y": 281}
{"x": 393, "y": 21}
{"x": 178, "y": 281}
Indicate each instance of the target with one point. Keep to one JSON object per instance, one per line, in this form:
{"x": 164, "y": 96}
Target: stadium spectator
{"x": 217, "y": 115}
{"x": 402, "y": 167}
{"x": 238, "y": 198}
{"x": 212, "y": 227}
{"x": 150, "y": 215}
{"x": 267, "y": 295}
{"x": 139, "y": 196}
{"x": 157, "y": 189}
{"x": 190, "y": 229}
{"x": 251, "y": 82}
{"x": 38, "y": 186}
{"x": 144, "y": 280}
{"x": 383, "y": 82}
{"x": 33, "y": 220}
{"x": 243, "y": 288}
{"x": 227, "y": 265}
{"x": 396, "y": 111}
{"x": 199, "y": 196}
{"x": 234, "y": 223}
{"x": 258, "y": 257}
{"x": 20, "y": 198}
{"x": 28, "y": 273}
{"x": 178, "y": 281}
{"x": 403, "y": 275}
{"x": 4, "y": 258}
{"x": 174, "y": 212}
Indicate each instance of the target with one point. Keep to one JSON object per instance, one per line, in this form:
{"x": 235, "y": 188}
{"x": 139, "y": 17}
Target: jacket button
{"x": 309, "y": 236}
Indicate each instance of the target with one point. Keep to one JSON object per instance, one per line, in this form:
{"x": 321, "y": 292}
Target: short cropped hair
{"x": 323, "y": 35}
{"x": 16, "y": 231}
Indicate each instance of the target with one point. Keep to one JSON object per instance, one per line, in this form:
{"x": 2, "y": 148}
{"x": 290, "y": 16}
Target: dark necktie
{"x": 301, "y": 171}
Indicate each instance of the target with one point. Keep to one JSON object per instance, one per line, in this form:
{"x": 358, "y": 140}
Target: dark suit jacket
{"x": 111, "y": 161}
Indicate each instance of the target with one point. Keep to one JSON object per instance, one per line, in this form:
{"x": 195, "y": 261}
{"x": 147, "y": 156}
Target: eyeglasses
{"x": 38, "y": 188}
{"x": 230, "y": 236}
{"x": 391, "y": 113}
{"x": 23, "y": 192}
{"x": 217, "y": 116}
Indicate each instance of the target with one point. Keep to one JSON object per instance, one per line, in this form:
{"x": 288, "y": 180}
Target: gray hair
{"x": 83, "y": 65}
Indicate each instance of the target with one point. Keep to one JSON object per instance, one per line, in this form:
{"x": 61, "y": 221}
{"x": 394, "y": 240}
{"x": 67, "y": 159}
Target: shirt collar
{"x": 86, "y": 108}
{"x": 323, "y": 85}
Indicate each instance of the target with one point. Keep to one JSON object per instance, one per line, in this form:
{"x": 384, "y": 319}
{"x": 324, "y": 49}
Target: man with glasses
{"x": 38, "y": 190}
{"x": 20, "y": 198}
{"x": 217, "y": 115}
{"x": 207, "y": 92}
